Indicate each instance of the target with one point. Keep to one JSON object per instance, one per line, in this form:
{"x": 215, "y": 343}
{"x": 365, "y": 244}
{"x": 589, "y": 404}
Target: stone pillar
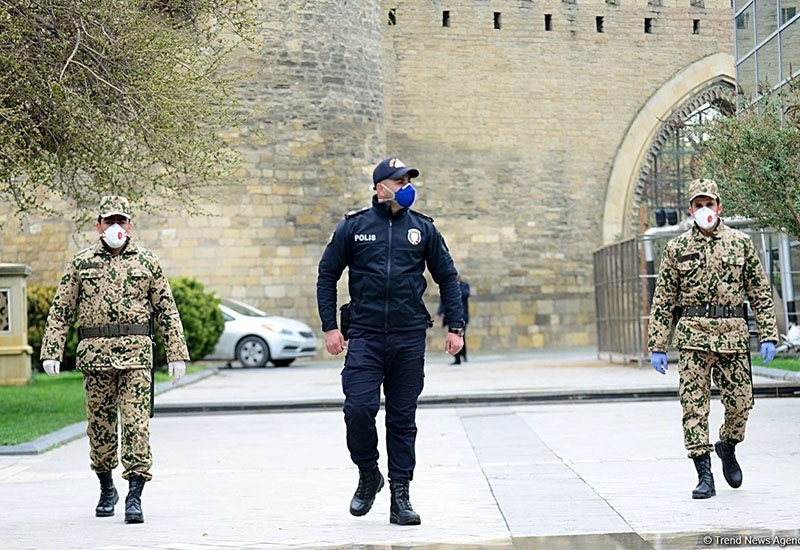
{"x": 15, "y": 353}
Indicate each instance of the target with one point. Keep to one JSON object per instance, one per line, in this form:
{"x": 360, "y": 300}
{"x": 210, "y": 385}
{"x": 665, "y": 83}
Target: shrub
{"x": 201, "y": 318}
{"x": 40, "y": 298}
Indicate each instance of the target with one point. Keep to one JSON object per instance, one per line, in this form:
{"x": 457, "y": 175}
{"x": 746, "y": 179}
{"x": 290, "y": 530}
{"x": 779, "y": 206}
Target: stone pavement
{"x": 591, "y": 475}
{"x": 535, "y": 372}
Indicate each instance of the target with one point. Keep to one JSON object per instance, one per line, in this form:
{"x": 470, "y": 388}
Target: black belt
{"x": 712, "y": 311}
{"x": 110, "y": 331}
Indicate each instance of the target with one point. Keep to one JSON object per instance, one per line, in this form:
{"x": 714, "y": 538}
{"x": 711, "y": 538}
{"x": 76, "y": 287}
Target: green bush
{"x": 40, "y": 298}
{"x": 201, "y": 318}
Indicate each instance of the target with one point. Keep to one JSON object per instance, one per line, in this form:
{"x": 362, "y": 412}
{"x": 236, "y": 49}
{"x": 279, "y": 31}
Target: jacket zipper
{"x": 388, "y": 272}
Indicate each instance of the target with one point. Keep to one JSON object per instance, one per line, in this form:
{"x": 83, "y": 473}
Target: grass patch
{"x": 47, "y": 404}
{"x": 779, "y": 363}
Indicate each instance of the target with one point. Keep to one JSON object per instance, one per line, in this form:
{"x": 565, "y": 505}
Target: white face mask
{"x": 115, "y": 236}
{"x": 705, "y": 217}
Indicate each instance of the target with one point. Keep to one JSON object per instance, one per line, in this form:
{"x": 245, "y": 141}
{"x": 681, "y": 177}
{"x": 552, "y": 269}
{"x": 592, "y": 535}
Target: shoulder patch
{"x": 421, "y": 215}
{"x": 353, "y": 213}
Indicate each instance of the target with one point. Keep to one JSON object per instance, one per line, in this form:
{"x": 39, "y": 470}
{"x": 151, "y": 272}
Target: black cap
{"x": 392, "y": 169}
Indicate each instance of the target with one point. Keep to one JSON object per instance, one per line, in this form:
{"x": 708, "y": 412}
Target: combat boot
{"x": 730, "y": 467}
{"x": 108, "y": 495}
{"x": 370, "y": 482}
{"x": 705, "y": 479}
{"x": 133, "y": 502}
{"x": 401, "y": 512}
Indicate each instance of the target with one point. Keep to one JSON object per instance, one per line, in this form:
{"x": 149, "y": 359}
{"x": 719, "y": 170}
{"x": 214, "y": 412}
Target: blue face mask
{"x": 404, "y": 196}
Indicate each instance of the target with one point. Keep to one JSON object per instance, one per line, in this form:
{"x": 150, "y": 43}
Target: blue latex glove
{"x": 767, "y": 352}
{"x": 659, "y": 361}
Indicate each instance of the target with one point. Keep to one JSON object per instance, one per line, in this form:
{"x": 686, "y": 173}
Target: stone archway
{"x": 703, "y": 81}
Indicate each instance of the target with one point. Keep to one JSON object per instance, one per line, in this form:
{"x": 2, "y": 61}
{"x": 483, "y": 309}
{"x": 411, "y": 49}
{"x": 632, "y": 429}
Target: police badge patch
{"x": 414, "y": 236}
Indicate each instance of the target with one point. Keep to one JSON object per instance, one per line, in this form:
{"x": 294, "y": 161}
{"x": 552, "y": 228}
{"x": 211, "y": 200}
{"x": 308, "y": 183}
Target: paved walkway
{"x": 550, "y": 371}
{"x": 486, "y": 477}
{"x": 593, "y": 475}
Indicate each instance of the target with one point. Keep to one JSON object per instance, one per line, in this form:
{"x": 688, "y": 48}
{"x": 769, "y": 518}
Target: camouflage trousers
{"x": 731, "y": 374}
{"x": 111, "y": 394}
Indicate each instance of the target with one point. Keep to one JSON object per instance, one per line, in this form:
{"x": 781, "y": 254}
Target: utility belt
{"x": 111, "y": 331}
{"x": 712, "y": 311}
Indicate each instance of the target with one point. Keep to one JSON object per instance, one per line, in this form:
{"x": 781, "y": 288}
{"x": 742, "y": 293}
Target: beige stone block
{"x": 525, "y": 320}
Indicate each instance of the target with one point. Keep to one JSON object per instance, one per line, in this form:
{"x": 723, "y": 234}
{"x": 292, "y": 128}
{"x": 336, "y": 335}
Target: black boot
{"x": 705, "y": 485}
{"x": 133, "y": 502}
{"x": 402, "y": 513}
{"x": 370, "y": 482}
{"x": 730, "y": 467}
{"x": 108, "y": 495}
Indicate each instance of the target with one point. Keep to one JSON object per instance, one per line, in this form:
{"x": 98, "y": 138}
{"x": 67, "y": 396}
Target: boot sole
{"x": 134, "y": 519}
{"x": 359, "y": 513}
{"x": 397, "y": 521}
{"x": 701, "y": 497}
{"x": 717, "y": 450}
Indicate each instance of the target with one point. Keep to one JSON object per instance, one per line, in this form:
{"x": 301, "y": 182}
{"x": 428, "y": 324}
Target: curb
{"x": 475, "y": 399}
{"x": 77, "y": 430}
{"x": 777, "y": 374}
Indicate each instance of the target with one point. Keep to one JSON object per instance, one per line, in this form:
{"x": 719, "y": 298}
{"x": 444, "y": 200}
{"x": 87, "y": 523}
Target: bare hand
{"x": 453, "y": 343}
{"x": 334, "y": 341}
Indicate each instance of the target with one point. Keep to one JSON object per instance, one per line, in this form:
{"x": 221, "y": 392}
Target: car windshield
{"x": 244, "y": 309}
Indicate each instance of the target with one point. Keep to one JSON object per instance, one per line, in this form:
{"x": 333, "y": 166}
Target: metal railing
{"x": 625, "y": 276}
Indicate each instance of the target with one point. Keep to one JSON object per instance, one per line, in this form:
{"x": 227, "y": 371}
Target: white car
{"x": 253, "y": 337}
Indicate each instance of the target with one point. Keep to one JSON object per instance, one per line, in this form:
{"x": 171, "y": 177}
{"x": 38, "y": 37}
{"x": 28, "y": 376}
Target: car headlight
{"x": 273, "y": 328}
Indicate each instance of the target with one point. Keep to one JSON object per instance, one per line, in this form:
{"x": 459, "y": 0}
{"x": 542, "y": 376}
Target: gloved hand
{"x": 767, "y": 352}
{"x": 177, "y": 369}
{"x": 659, "y": 361}
{"x": 52, "y": 367}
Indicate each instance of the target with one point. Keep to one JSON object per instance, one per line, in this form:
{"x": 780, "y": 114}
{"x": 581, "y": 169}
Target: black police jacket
{"x": 386, "y": 255}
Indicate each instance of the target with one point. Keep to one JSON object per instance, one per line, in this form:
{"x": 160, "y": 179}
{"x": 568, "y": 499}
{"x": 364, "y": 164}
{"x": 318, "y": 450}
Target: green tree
{"x": 116, "y": 97}
{"x": 755, "y": 159}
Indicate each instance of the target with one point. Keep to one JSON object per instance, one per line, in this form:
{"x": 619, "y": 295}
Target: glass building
{"x": 767, "y": 44}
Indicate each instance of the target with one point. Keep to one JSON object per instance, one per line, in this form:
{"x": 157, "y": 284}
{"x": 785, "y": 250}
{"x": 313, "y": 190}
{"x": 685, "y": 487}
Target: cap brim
{"x": 709, "y": 195}
{"x": 400, "y": 172}
{"x": 114, "y": 213}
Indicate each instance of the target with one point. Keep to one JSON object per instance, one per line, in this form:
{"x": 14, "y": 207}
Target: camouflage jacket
{"x": 717, "y": 269}
{"x": 108, "y": 289}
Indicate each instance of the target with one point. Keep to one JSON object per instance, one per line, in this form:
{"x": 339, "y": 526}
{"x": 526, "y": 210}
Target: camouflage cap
{"x": 703, "y": 188}
{"x": 112, "y": 204}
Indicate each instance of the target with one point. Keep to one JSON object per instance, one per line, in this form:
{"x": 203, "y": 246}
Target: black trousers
{"x": 396, "y": 361}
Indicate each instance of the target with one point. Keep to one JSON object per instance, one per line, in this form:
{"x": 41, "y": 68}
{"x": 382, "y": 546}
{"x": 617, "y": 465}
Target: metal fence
{"x": 625, "y": 275}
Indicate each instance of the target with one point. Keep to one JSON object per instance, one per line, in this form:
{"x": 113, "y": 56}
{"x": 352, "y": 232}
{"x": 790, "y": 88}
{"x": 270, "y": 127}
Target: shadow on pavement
{"x": 607, "y": 541}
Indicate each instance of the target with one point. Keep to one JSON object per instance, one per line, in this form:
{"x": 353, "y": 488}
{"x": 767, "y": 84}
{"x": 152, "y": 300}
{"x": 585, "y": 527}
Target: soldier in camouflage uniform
{"x": 114, "y": 286}
{"x": 705, "y": 274}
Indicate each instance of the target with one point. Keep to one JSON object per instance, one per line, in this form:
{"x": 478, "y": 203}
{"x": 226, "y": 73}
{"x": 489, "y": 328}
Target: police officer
{"x": 386, "y": 247}
{"x": 705, "y": 274}
{"x": 114, "y": 286}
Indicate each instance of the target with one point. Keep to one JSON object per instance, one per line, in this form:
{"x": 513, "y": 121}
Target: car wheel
{"x": 252, "y": 351}
{"x": 282, "y": 362}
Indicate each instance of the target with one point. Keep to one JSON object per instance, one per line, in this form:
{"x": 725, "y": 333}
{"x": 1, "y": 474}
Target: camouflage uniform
{"x": 114, "y": 289}
{"x": 717, "y": 269}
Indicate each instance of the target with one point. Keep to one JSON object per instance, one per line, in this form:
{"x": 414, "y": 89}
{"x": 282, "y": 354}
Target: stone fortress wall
{"x": 516, "y": 131}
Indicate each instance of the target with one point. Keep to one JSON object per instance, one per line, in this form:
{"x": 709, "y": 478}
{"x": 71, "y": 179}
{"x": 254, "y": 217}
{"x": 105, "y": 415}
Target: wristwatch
{"x": 458, "y": 331}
